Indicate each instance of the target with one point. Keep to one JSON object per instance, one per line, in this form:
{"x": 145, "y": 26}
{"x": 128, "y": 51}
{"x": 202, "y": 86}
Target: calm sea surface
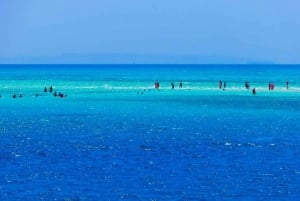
{"x": 114, "y": 137}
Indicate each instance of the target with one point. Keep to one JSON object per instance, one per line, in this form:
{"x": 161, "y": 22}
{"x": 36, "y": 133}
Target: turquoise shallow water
{"x": 116, "y": 138}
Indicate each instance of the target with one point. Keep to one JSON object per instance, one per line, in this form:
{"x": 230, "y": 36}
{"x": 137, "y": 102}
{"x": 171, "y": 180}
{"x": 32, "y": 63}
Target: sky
{"x": 149, "y": 31}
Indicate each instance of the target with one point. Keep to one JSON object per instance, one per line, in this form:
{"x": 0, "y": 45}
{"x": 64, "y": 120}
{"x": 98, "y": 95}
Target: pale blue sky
{"x": 196, "y": 30}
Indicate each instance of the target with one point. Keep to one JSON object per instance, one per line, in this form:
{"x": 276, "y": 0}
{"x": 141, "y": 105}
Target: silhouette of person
{"x": 247, "y": 85}
{"x": 180, "y": 84}
{"x": 61, "y": 95}
{"x": 224, "y": 86}
{"x": 172, "y": 84}
{"x": 271, "y": 86}
{"x": 220, "y": 84}
{"x": 254, "y": 91}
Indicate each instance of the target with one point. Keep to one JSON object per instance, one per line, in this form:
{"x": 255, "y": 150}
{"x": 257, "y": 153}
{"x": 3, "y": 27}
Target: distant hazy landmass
{"x": 130, "y": 59}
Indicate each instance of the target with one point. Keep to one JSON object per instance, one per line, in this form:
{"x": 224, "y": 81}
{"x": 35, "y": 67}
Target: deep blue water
{"x": 116, "y": 138}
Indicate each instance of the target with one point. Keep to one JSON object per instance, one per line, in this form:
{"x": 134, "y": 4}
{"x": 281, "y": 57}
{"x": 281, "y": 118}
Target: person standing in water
{"x": 224, "y": 86}
{"x": 220, "y": 84}
{"x": 156, "y": 85}
{"x": 271, "y": 86}
{"x": 172, "y": 84}
{"x": 180, "y": 84}
{"x": 254, "y": 91}
{"x": 247, "y": 85}
{"x": 287, "y": 84}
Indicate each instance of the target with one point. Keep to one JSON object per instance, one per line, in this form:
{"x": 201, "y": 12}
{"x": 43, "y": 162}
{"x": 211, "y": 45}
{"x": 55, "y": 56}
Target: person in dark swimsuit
{"x": 172, "y": 84}
{"x": 220, "y": 84}
{"x": 180, "y": 84}
{"x": 247, "y": 85}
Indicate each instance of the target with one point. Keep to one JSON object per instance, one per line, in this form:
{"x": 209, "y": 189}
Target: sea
{"x": 112, "y": 136}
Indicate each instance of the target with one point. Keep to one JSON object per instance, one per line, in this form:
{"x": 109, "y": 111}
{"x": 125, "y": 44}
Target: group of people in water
{"x": 55, "y": 94}
{"x": 46, "y": 89}
{"x": 173, "y": 85}
{"x": 247, "y": 86}
{"x": 271, "y": 86}
{"x": 223, "y": 85}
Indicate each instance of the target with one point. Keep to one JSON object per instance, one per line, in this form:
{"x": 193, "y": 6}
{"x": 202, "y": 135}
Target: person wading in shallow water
{"x": 220, "y": 84}
{"x": 180, "y": 84}
{"x": 254, "y": 91}
{"x": 247, "y": 85}
{"x": 172, "y": 84}
{"x": 271, "y": 86}
{"x": 156, "y": 85}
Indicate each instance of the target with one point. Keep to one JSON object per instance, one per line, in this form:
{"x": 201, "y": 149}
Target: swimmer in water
{"x": 287, "y": 84}
{"x": 254, "y": 91}
{"x": 45, "y": 89}
{"x": 51, "y": 89}
{"x": 62, "y": 95}
{"x": 14, "y": 96}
